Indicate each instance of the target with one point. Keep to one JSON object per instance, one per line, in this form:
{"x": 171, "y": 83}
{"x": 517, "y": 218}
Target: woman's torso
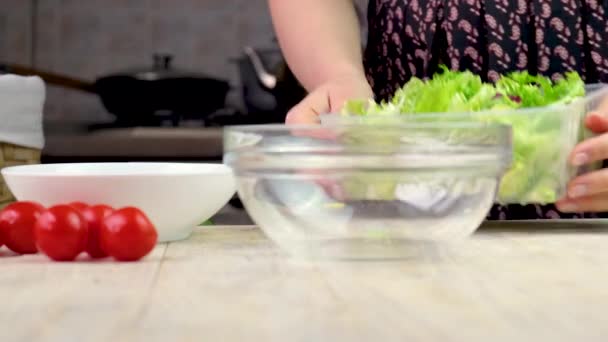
{"x": 550, "y": 37}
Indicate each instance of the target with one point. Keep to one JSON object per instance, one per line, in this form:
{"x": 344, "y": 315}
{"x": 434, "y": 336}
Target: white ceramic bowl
{"x": 175, "y": 196}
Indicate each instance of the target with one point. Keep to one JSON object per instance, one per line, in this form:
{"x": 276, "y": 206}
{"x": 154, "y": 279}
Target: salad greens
{"x": 541, "y": 136}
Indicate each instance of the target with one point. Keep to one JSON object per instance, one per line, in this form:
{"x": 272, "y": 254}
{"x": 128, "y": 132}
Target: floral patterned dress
{"x": 488, "y": 37}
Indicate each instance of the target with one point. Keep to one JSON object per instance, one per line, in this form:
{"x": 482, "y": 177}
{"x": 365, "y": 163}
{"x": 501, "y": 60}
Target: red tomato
{"x": 17, "y": 222}
{"x": 128, "y": 235}
{"x": 61, "y": 233}
{"x": 79, "y": 205}
{"x": 94, "y": 216}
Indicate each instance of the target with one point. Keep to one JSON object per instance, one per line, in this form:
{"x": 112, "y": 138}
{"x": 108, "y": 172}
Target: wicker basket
{"x": 11, "y": 155}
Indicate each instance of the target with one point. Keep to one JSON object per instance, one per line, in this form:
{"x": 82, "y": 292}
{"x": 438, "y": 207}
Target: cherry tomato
{"x": 128, "y": 235}
{"x": 17, "y": 223}
{"x": 61, "y": 233}
{"x": 79, "y": 205}
{"x": 94, "y": 216}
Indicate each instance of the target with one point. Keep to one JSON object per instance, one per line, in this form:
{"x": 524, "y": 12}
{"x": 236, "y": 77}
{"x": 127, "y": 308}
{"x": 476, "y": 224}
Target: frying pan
{"x": 140, "y": 95}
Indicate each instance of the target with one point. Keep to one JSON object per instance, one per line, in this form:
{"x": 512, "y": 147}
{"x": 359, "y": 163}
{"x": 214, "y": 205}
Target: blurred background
{"x": 227, "y": 46}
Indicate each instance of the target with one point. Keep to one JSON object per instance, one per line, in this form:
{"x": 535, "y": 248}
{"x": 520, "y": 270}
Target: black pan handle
{"x": 49, "y": 77}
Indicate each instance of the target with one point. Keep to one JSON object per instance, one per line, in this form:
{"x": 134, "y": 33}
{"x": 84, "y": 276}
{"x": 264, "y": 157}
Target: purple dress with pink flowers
{"x": 409, "y": 38}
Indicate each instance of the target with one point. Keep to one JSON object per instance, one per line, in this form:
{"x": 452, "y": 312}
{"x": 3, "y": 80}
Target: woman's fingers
{"x": 309, "y": 109}
{"x": 589, "y": 184}
{"x": 329, "y": 98}
{"x": 592, "y": 203}
{"x": 597, "y": 122}
{"x": 591, "y": 150}
{"x": 594, "y": 149}
{"x": 587, "y": 193}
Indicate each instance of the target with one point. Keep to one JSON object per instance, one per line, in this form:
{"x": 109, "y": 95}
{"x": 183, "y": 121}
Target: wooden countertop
{"x": 519, "y": 282}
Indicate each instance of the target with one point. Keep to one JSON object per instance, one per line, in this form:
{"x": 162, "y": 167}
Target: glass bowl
{"x": 367, "y": 192}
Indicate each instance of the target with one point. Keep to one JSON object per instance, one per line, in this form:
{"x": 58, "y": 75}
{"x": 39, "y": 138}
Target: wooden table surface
{"x": 507, "y": 283}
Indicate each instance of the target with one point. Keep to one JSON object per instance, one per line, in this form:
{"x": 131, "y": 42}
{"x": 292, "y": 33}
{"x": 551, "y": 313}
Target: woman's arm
{"x": 321, "y": 42}
{"x": 319, "y": 38}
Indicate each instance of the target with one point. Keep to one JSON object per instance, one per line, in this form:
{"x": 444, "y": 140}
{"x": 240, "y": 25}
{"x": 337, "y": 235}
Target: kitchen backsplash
{"x": 90, "y": 38}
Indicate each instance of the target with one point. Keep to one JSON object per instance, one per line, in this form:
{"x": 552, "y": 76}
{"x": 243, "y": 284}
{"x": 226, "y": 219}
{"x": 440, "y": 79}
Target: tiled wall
{"x": 15, "y": 30}
{"x": 89, "y": 38}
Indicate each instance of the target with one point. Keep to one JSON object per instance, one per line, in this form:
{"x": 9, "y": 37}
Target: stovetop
{"x": 221, "y": 118}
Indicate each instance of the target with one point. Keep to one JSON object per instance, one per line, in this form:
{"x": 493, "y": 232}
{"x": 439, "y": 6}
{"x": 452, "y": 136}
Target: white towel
{"x": 21, "y": 105}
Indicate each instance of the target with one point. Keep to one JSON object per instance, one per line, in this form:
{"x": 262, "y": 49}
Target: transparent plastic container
{"x": 543, "y": 139}
{"x": 367, "y": 192}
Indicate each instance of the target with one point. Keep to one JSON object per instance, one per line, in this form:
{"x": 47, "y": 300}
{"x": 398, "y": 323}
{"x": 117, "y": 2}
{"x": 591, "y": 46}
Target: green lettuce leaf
{"x": 541, "y": 134}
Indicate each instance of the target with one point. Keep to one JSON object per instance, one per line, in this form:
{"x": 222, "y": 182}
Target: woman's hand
{"x": 589, "y": 192}
{"x": 329, "y": 98}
